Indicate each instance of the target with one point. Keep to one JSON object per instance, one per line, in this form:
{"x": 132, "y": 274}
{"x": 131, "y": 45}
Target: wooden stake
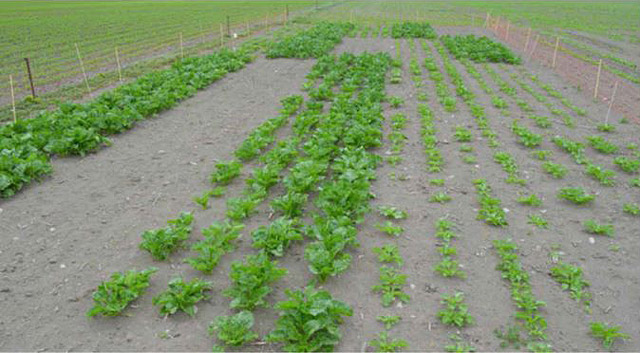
{"x": 33, "y": 88}
{"x": 595, "y": 90}
{"x": 266, "y": 22}
{"x": 535, "y": 44}
{"x": 486, "y": 21}
{"x": 247, "y": 27}
{"x": 506, "y": 37}
{"x": 497, "y": 25}
{"x": 351, "y": 16}
{"x": 221, "y": 35}
{"x": 555, "y": 53}
{"x": 13, "y": 100}
{"x": 526, "y": 44}
{"x": 613, "y": 96}
{"x": 84, "y": 73}
{"x": 181, "y": 49}
{"x": 119, "y": 68}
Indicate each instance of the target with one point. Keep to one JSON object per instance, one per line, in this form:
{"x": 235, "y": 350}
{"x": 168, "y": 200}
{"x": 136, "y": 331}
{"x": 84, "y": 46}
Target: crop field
{"x": 369, "y": 178}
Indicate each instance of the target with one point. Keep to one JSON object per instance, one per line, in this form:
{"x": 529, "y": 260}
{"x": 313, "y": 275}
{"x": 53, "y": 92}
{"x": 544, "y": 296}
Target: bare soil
{"x": 62, "y": 237}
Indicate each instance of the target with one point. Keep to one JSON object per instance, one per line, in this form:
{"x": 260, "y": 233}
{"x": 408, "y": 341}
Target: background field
{"x": 147, "y": 34}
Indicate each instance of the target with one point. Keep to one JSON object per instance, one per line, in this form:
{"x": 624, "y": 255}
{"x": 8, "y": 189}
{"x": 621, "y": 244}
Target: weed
{"x": 436, "y": 182}
{"x": 440, "y": 197}
{"x": 627, "y": 164}
{"x": 606, "y": 128}
{"x": 462, "y": 134}
{"x": 631, "y": 208}
{"x": 466, "y": 148}
{"x": 542, "y": 155}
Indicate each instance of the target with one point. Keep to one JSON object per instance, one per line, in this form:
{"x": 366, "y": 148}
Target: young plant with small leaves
{"x": 182, "y": 296}
{"x": 391, "y": 283}
{"x": 607, "y": 334}
{"x": 234, "y": 330}
{"x": 112, "y": 297}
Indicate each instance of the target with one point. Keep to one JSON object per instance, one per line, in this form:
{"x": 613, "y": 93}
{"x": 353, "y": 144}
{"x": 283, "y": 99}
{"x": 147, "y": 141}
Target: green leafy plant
{"x": 226, "y": 172}
{"x": 627, "y": 164}
{"x": 469, "y": 159}
{"x": 635, "y": 182}
{"x": 631, "y": 208}
{"x": 388, "y": 254}
{"x": 462, "y": 134}
{"x": 392, "y": 212}
{"x": 309, "y": 321}
{"x": 440, "y": 197}
{"x": 607, "y": 334}
{"x": 604, "y": 176}
{"x": 542, "y": 121}
{"x": 182, "y": 296}
{"x": 448, "y": 267}
{"x": 556, "y": 170}
{"x": 570, "y": 277}
{"x": 234, "y": 330}
{"x": 385, "y": 344}
{"x": 602, "y": 145}
{"x": 391, "y": 283}
{"x": 478, "y": 49}
{"x": 290, "y": 204}
{"x": 276, "y": 237}
{"x": 217, "y": 241}
{"x": 396, "y": 101}
{"x": 455, "y": 312}
{"x": 436, "y": 182}
{"x": 593, "y": 227}
{"x": 112, "y": 297}
{"x": 458, "y": 345}
{"x": 542, "y": 155}
{"x": 466, "y": 148}
{"x": 538, "y": 221}
{"x": 531, "y": 200}
{"x": 576, "y": 195}
{"x": 160, "y": 243}
{"x": 250, "y": 281}
{"x": 390, "y": 229}
{"x": 606, "y": 128}
{"x": 389, "y": 320}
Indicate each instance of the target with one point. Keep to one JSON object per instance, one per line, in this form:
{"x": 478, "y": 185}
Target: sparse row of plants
{"x": 445, "y": 98}
{"x": 491, "y": 211}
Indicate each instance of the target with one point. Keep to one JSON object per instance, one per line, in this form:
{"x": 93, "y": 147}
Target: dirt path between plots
{"x": 61, "y": 237}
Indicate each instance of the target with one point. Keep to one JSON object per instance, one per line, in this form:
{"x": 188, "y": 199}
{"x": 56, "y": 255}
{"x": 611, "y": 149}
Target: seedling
{"x": 394, "y": 160}
{"x": 631, "y": 208}
{"x": 226, "y": 172}
{"x": 436, "y": 182}
{"x": 538, "y": 221}
{"x": 469, "y": 159}
{"x": 391, "y": 283}
{"x": 542, "y": 155}
{"x": 462, "y": 134}
{"x": 388, "y": 254}
{"x": 389, "y": 320}
{"x": 458, "y": 345}
{"x": 635, "y": 182}
{"x": 385, "y": 344}
{"x": 182, "y": 296}
{"x": 607, "y": 334}
{"x": 466, "y": 148}
{"x": 531, "y": 200}
{"x": 455, "y": 312}
{"x": 276, "y": 237}
{"x": 593, "y": 227}
{"x": 606, "y": 128}
{"x": 388, "y": 228}
{"x": 395, "y": 102}
{"x": 604, "y": 176}
{"x": 113, "y": 296}
{"x": 510, "y": 337}
{"x": 234, "y": 330}
{"x": 440, "y": 197}
{"x": 250, "y": 281}
{"x": 576, "y": 195}
{"x": 449, "y": 268}
{"x": 602, "y": 145}
{"x": 627, "y": 164}
{"x": 570, "y": 277}
{"x": 558, "y": 171}
{"x": 392, "y": 212}
{"x": 160, "y": 243}
{"x": 542, "y": 121}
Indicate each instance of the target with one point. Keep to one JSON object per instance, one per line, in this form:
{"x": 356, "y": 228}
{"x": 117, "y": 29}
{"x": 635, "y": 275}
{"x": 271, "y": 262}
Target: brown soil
{"x": 61, "y": 238}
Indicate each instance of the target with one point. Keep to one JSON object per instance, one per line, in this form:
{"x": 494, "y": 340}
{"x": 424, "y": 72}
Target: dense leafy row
{"x": 413, "y": 30}
{"x": 79, "y": 128}
{"x": 312, "y": 43}
{"x": 478, "y": 49}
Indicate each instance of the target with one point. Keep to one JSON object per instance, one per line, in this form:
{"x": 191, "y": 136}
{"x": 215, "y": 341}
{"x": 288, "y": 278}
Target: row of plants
{"x": 80, "y": 128}
{"x": 413, "y": 30}
{"x": 478, "y": 49}
{"x": 442, "y": 89}
{"x": 507, "y": 89}
{"x": 491, "y": 211}
{"x": 311, "y": 43}
{"x": 477, "y": 111}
